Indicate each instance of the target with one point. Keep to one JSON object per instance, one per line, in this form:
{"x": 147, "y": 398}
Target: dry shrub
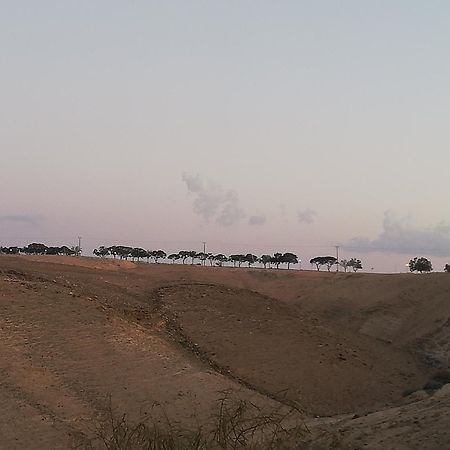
{"x": 236, "y": 424}
{"x": 438, "y": 380}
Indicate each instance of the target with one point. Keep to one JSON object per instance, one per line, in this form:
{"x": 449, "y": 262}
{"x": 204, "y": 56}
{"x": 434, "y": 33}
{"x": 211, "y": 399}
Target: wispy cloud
{"x": 307, "y": 216}
{"x": 257, "y": 220}
{"x": 212, "y": 202}
{"x": 31, "y": 219}
{"x": 399, "y": 235}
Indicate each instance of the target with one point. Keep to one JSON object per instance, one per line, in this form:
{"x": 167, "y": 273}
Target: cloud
{"x": 257, "y": 220}
{"x": 307, "y": 216}
{"x": 31, "y": 219}
{"x": 399, "y": 235}
{"x": 212, "y": 202}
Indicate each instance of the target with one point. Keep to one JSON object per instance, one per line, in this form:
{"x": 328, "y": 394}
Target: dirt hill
{"x": 76, "y": 331}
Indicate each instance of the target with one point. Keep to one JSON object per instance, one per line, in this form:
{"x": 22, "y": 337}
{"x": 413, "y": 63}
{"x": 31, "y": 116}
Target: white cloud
{"x": 213, "y": 202}
{"x": 399, "y": 235}
{"x": 307, "y": 216}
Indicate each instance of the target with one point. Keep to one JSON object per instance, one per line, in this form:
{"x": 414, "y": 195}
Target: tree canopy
{"x": 137, "y": 253}
{"x": 420, "y": 265}
{"x": 327, "y": 261}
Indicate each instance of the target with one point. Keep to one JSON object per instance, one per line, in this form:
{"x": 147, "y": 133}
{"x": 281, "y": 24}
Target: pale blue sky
{"x": 333, "y": 111}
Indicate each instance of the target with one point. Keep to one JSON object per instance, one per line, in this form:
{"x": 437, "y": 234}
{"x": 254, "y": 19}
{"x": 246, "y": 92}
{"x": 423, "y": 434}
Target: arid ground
{"x": 354, "y": 350}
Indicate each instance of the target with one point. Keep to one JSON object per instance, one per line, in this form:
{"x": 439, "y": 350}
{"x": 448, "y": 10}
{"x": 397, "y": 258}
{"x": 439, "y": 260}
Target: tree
{"x": 101, "y": 251}
{"x": 277, "y": 259}
{"x": 447, "y": 268}
{"x": 355, "y": 264}
{"x": 192, "y": 255}
{"x": 139, "y": 253}
{"x": 158, "y": 254}
{"x": 265, "y": 259}
{"x": 202, "y": 257}
{"x": 234, "y": 259}
{"x": 344, "y": 264}
{"x": 67, "y": 251}
{"x": 122, "y": 251}
{"x": 10, "y": 250}
{"x": 174, "y": 257}
{"x": 328, "y": 261}
{"x": 52, "y": 251}
{"x": 250, "y": 259}
{"x": 289, "y": 258}
{"x": 113, "y": 251}
{"x": 420, "y": 265}
{"x": 35, "y": 249}
{"x": 220, "y": 259}
{"x": 184, "y": 254}
{"x": 317, "y": 260}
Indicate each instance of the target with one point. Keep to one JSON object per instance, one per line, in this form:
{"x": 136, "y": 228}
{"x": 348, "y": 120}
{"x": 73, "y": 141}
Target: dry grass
{"x": 236, "y": 424}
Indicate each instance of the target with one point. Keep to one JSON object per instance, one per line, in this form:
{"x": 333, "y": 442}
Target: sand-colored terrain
{"x": 75, "y": 332}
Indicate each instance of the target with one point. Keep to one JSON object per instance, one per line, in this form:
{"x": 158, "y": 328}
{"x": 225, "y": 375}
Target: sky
{"x": 256, "y": 126}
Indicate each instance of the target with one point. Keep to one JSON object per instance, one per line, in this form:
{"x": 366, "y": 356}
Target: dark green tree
{"x": 158, "y": 254}
{"x": 10, "y": 250}
{"x": 53, "y": 251}
{"x": 327, "y": 261}
{"x": 139, "y": 253}
{"x": 250, "y": 259}
{"x": 35, "y": 249}
{"x": 420, "y": 265}
{"x": 277, "y": 259}
{"x": 289, "y": 258}
{"x": 192, "y": 255}
{"x": 202, "y": 257}
{"x": 174, "y": 257}
{"x": 355, "y": 264}
{"x": 344, "y": 263}
{"x": 235, "y": 259}
{"x": 67, "y": 251}
{"x": 184, "y": 254}
{"x": 265, "y": 259}
{"x": 220, "y": 259}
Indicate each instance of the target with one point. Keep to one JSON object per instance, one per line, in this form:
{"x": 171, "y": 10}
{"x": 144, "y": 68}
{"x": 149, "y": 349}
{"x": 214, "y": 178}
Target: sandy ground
{"x": 77, "y": 333}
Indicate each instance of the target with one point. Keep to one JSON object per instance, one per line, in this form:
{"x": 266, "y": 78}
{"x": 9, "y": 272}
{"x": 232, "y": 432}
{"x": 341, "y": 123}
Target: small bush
{"x": 438, "y": 380}
{"x": 407, "y": 392}
{"x": 432, "y": 385}
{"x": 236, "y": 424}
{"x": 443, "y": 376}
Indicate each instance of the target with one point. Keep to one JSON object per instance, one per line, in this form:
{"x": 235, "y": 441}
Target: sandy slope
{"x": 75, "y": 330}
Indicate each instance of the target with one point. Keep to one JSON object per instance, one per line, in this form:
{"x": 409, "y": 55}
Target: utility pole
{"x": 79, "y": 246}
{"x": 337, "y": 257}
{"x": 204, "y": 252}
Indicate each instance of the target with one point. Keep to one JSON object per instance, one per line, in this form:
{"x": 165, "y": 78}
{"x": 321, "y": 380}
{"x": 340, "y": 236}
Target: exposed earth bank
{"x": 353, "y": 350}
